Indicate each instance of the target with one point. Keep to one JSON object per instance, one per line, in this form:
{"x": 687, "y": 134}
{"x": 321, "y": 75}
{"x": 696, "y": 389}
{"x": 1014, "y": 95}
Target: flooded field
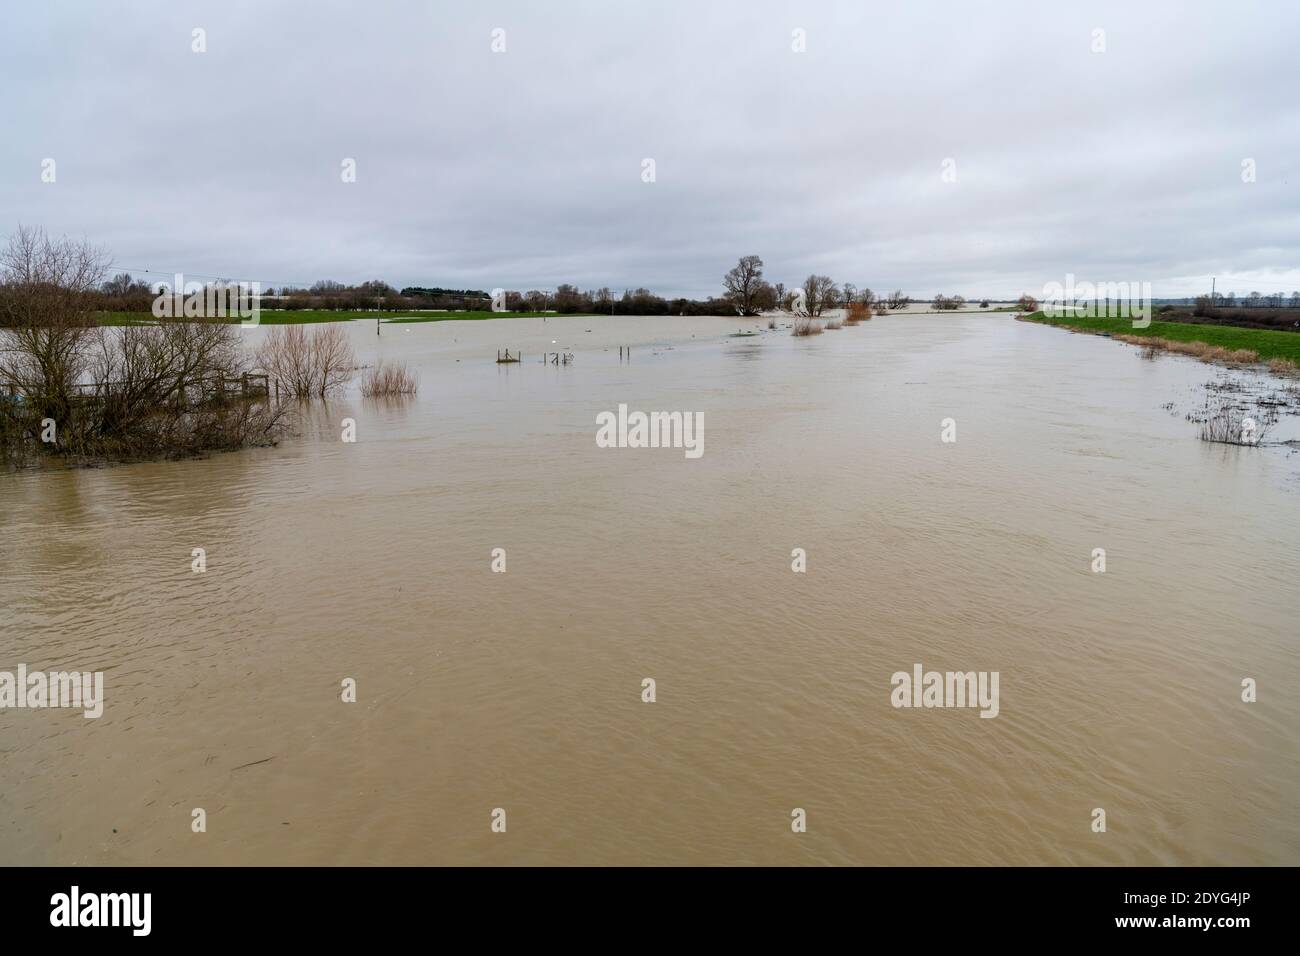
{"x": 372, "y": 560}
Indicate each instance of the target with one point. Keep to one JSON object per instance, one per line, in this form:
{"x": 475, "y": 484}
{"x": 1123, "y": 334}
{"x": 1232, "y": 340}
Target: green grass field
{"x": 1268, "y": 343}
{"x": 309, "y": 316}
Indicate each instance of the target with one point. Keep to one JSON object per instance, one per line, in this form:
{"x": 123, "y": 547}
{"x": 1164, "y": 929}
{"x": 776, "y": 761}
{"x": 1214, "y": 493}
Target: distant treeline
{"x": 416, "y": 291}
{"x": 123, "y": 293}
{"x": 1255, "y": 300}
{"x": 568, "y": 300}
{"x": 745, "y": 292}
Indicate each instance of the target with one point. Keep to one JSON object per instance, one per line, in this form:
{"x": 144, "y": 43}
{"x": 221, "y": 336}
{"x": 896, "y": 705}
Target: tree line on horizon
{"x": 745, "y": 293}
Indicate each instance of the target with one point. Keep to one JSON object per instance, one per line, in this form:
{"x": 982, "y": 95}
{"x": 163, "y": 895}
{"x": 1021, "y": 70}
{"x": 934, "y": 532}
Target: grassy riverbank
{"x": 1232, "y": 344}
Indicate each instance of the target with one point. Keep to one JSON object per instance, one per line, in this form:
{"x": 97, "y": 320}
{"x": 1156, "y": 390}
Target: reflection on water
{"x": 522, "y": 690}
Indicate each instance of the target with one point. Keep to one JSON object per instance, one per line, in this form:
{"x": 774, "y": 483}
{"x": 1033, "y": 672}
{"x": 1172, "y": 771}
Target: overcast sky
{"x": 524, "y": 168}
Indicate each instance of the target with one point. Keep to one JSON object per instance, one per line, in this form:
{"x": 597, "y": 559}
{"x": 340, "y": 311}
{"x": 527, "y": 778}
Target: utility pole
{"x": 1213, "y": 285}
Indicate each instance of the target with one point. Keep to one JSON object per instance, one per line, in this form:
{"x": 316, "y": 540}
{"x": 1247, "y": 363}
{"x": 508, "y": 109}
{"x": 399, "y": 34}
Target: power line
{"x": 200, "y": 275}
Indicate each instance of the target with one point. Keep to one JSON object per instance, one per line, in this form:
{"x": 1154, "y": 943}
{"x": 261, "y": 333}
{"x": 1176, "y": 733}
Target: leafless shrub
{"x": 159, "y": 391}
{"x": 1233, "y": 426}
{"x": 285, "y": 355}
{"x": 306, "y": 364}
{"x": 49, "y": 283}
{"x": 857, "y": 312}
{"x": 835, "y": 324}
{"x": 388, "y": 379}
{"x": 46, "y": 293}
{"x": 335, "y": 360}
{"x": 72, "y": 389}
{"x": 806, "y": 325}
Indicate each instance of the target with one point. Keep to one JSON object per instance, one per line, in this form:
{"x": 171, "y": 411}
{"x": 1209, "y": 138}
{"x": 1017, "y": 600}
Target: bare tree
{"x": 742, "y": 284}
{"x": 307, "y": 365}
{"x": 75, "y": 389}
{"x": 765, "y": 298}
{"x": 334, "y": 360}
{"x": 819, "y": 294}
{"x": 47, "y": 292}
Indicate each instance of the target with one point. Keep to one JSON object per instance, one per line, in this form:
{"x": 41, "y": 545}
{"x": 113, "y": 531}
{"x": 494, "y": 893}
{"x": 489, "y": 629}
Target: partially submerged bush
{"x": 175, "y": 389}
{"x": 806, "y": 325}
{"x": 72, "y": 389}
{"x": 1233, "y": 426}
{"x": 857, "y": 312}
{"x": 387, "y": 379}
{"x": 306, "y": 365}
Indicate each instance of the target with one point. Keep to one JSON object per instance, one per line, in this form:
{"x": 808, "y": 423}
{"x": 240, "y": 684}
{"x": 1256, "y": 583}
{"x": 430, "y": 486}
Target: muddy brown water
{"x": 523, "y": 691}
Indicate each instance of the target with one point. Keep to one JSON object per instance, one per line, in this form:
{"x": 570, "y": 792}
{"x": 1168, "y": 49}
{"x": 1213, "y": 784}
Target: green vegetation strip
{"x": 1267, "y": 343}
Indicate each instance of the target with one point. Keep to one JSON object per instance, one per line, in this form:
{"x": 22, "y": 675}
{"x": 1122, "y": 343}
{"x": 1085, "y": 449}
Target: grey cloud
{"x": 522, "y": 169}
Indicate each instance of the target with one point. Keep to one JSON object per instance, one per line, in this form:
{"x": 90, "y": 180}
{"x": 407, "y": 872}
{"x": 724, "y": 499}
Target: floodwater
{"x": 522, "y": 690}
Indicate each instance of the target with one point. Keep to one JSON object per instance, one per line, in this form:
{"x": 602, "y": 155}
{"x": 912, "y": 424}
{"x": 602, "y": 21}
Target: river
{"x": 477, "y": 690}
